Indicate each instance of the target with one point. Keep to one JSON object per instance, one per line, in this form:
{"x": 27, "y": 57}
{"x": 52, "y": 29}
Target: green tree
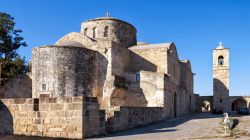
{"x": 10, "y": 40}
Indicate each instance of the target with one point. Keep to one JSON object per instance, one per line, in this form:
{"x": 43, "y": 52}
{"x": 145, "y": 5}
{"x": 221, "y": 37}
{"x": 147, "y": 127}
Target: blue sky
{"x": 195, "y": 26}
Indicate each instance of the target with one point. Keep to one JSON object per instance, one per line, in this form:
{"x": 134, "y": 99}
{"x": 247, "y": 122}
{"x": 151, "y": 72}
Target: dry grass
{"x": 239, "y": 132}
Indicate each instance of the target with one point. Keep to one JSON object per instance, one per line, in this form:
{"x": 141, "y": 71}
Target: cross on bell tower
{"x": 220, "y": 43}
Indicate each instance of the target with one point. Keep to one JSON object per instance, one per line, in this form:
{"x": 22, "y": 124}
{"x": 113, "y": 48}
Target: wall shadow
{"x": 138, "y": 63}
{"x": 19, "y": 137}
{"x": 128, "y": 93}
{"x": 220, "y": 96}
{"x": 18, "y": 87}
{"x": 162, "y": 126}
{"x": 100, "y": 72}
{"x": 6, "y": 120}
{"x": 238, "y": 103}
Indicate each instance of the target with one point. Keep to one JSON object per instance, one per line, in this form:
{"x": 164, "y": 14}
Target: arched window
{"x": 85, "y": 31}
{"x": 94, "y": 32}
{"x": 137, "y": 77}
{"x": 106, "y": 31}
{"x": 43, "y": 87}
{"x": 221, "y": 60}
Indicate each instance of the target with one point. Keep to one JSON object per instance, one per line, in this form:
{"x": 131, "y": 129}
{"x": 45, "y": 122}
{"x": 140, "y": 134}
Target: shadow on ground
{"x": 164, "y": 126}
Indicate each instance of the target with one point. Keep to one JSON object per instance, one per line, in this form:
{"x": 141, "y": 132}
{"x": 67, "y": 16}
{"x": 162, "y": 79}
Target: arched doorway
{"x": 206, "y": 106}
{"x": 175, "y": 105}
{"x": 238, "y": 103}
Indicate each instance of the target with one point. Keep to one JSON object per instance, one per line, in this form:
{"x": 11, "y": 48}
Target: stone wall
{"x": 173, "y": 69}
{"x": 63, "y": 117}
{"x": 186, "y": 76}
{"x": 148, "y": 91}
{"x": 131, "y": 117}
{"x": 93, "y": 118}
{"x": 152, "y": 85}
{"x": 120, "y": 59}
{"x": 161, "y": 58}
{"x": 187, "y": 103}
{"x": 140, "y": 63}
{"x": 234, "y": 102}
{"x": 70, "y": 117}
{"x": 169, "y": 97}
{"x": 19, "y": 87}
{"x": 148, "y": 59}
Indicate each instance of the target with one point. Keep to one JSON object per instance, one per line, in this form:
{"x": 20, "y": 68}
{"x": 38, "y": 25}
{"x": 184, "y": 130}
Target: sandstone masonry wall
{"x": 63, "y": 117}
{"x": 152, "y": 85}
{"x": 149, "y": 60}
{"x": 131, "y": 117}
{"x": 19, "y": 87}
{"x": 120, "y": 59}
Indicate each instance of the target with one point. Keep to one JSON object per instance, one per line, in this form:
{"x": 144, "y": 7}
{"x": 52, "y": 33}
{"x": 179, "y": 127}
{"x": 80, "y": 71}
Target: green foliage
{"x": 10, "y": 40}
{"x": 13, "y": 68}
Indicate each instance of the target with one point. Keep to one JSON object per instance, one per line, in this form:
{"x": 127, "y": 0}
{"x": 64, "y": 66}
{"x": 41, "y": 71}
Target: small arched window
{"x": 106, "y": 31}
{"x": 221, "y": 60}
{"x": 85, "y": 31}
{"x": 137, "y": 77}
{"x": 94, "y": 32}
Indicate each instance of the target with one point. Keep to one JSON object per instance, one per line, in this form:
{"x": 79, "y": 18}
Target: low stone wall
{"x": 93, "y": 118}
{"x": 52, "y": 117}
{"x": 131, "y": 117}
{"x": 18, "y": 87}
{"x": 69, "y": 117}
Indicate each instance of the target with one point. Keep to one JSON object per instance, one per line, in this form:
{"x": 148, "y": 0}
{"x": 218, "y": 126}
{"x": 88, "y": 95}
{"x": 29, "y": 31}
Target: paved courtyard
{"x": 197, "y": 126}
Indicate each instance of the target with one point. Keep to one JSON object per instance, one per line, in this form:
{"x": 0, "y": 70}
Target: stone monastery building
{"x": 105, "y": 61}
{"x": 100, "y": 80}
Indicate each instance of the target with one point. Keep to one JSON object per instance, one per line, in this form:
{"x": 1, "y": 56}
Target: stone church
{"x": 96, "y": 81}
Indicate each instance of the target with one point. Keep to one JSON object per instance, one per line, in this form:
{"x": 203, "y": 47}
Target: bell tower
{"x": 221, "y": 78}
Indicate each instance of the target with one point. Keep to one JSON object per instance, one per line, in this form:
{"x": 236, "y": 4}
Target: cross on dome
{"x": 107, "y": 14}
